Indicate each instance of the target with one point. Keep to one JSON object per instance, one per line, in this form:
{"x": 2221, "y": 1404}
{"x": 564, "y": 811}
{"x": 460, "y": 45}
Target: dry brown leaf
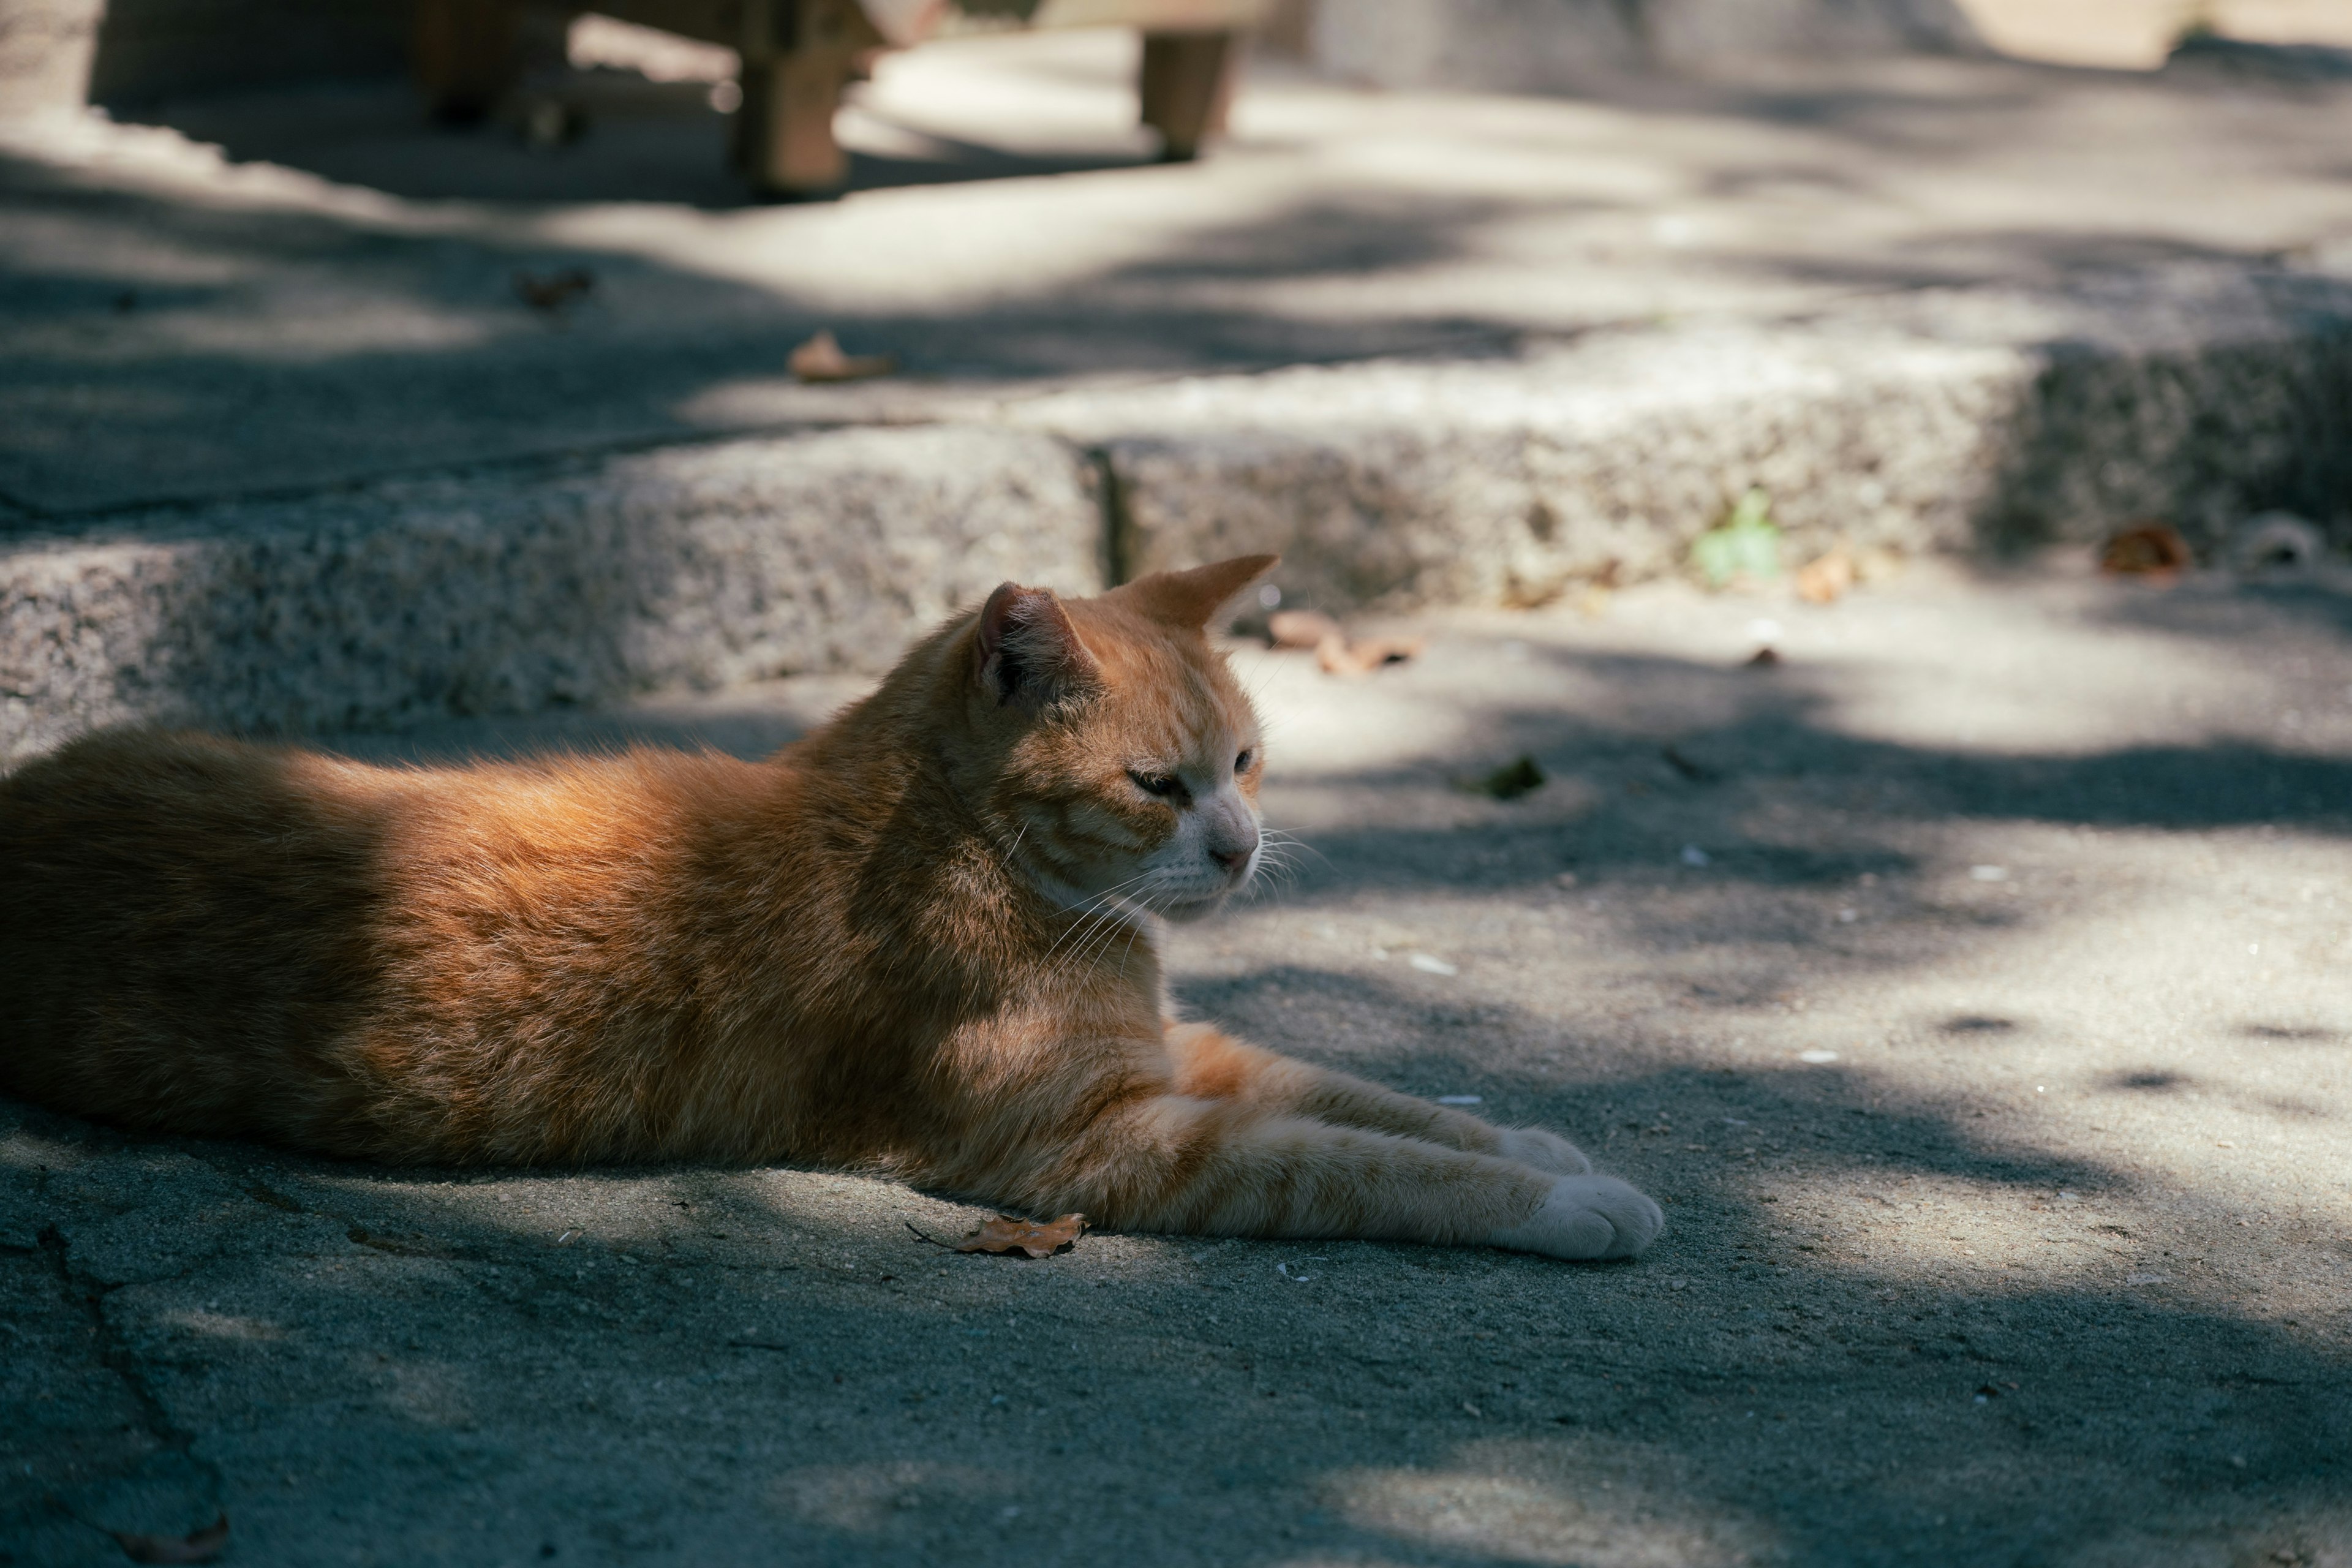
{"x": 2144, "y": 549}
{"x": 1509, "y": 782}
{"x": 1333, "y": 651}
{"x": 1339, "y": 656}
{"x": 1763, "y": 659}
{"x": 1876, "y": 564}
{"x": 201, "y": 1547}
{"x": 548, "y": 292}
{"x": 1827, "y": 578}
{"x": 821, "y": 358}
{"x": 1301, "y": 628}
{"x": 1030, "y": 1238}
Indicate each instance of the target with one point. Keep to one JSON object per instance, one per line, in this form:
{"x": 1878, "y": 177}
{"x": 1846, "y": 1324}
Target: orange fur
{"x": 919, "y": 942}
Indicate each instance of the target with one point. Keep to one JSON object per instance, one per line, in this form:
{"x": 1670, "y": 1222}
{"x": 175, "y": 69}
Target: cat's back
{"x": 190, "y": 926}
{"x": 158, "y": 892}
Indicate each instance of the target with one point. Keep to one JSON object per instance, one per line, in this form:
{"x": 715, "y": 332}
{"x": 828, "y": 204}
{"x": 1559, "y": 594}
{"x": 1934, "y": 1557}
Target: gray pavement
{"x": 2043, "y": 1264}
{"x": 1968, "y": 985}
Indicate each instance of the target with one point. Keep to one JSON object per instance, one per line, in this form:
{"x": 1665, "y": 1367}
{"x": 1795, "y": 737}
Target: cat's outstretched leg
{"x": 1220, "y": 1167}
{"x": 1214, "y": 1066}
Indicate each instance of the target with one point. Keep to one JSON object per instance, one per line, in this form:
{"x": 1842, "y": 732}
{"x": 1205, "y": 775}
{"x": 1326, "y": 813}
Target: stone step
{"x": 1967, "y": 421}
{"x": 524, "y": 588}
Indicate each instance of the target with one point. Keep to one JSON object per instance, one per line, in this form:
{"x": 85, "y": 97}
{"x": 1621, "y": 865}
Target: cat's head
{"x": 1114, "y": 743}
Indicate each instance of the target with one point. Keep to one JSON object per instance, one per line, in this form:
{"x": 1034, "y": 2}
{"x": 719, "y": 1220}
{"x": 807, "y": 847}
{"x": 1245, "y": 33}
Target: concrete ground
{"x": 2138, "y": 34}
{"x": 1968, "y": 985}
{"x": 329, "y": 296}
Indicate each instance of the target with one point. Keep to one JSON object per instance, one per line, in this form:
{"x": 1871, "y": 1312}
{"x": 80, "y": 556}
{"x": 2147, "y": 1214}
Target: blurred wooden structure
{"x": 799, "y": 55}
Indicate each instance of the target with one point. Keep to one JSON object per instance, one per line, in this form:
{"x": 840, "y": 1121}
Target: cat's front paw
{"x": 1543, "y": 1151}
{"x": 1586, "y": 1217}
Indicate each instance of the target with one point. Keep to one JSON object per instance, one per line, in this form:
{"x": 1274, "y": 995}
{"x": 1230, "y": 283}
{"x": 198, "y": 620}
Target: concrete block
{"x": 1554, "y": 45}
{"x": 506, "y": 593}
{"x": 1502, "y": 482}
{"x": 46, "y": 49}
{"x": 1963, "y": 422}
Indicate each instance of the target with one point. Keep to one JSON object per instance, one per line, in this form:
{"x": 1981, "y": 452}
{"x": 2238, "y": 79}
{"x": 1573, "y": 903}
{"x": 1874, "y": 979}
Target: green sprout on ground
{"x": 1747, "y": 543}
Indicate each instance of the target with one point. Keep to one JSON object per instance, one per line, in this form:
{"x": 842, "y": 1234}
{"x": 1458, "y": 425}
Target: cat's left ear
{"x": 1025, "y": 649}
{"x": 1191, "y": 599}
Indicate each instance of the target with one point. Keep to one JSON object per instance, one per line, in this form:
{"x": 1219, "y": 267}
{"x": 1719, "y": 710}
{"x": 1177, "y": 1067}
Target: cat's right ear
{"x": 1026, "y": 652}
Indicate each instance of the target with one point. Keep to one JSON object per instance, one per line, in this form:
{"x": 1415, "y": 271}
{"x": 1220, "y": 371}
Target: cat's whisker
{"x": 1102, "y": 909}
{"x": 1081, "y": 937}
{"x": 1098, "y": 933}
{"x": 1096, "y": 901}
{"x": 1092, "y": 898}
{"x": 1288, "y": 842}
{"x": 1129, "y": 950}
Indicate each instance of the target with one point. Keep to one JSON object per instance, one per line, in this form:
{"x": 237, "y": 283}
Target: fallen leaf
{"x": 1876, "y": 564}
{"x": 549, "y": 292}
{"x": 1747, "y": 544}
{"x": 1762, "y": 658}
{"x": 1826, "y": 578}
{"x": 2275, "y": 541}
{"x": 1696, "y": 771}
{"x": 201, "y": 1547}
{"x": 1338, "y": 657}
{"x": 2144, "y": 549}
{"x": 1509, "y": 782}
{"x": 1301, "y": 628}
{"x": 1004, "y": 1233}
{"x": 821, "y": 358}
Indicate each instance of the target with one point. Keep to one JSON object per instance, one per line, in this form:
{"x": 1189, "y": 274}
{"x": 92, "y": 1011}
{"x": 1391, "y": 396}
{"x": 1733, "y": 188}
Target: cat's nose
{"x": 1234, "y": 860}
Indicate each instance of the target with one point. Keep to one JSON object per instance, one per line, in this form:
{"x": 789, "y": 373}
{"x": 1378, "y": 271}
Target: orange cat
{"x": 919, "y": 942}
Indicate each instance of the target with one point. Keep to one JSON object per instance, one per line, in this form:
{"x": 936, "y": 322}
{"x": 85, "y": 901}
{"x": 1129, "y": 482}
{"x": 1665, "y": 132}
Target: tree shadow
{"x": 662, "y": 1358}
{"x": 638, "y": 1361}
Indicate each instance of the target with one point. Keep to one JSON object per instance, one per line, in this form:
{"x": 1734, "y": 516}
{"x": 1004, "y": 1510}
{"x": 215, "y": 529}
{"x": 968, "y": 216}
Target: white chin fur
{"x": 1186, "y": 913}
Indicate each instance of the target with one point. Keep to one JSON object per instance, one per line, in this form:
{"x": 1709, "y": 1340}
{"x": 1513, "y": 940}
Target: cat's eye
{"x": 1242, "y": 763}
{"x": 1161, "y": 784}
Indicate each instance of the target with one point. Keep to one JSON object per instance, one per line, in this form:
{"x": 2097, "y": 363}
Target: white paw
{"x": 1586, "y": 1217}
{"x": 1543, "y": 1151}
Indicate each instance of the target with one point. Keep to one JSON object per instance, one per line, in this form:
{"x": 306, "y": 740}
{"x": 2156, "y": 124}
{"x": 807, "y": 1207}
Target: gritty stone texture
{"x": 1551, "y": 46}
{"x": 697, "y": 566}
{"x": 45, "y": 54}
{"x": 1929, "y": 303}
{"x": 1945, "y": 421}
{"x": 1949, "y": 421}
{"x": 2044, "y": 1267}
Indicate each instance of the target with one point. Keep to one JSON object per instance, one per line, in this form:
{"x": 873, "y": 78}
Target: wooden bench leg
{"x": 1186, "y": 83}
{"x": 798, "y": 55}
{"x": 465, "y": 54}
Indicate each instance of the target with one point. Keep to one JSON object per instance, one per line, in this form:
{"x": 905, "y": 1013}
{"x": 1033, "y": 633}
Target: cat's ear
{"x": 1191, "y": 599}
{"x": 1026, "y": 652}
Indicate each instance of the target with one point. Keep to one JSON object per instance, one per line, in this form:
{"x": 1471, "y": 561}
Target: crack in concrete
{"x": 89, "y": 1297}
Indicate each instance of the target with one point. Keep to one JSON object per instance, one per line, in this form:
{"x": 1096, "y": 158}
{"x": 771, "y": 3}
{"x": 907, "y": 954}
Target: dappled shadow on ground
{"x": 376, "y": 338}
{"x": 1687, "y": 753}
{"x": 1893, "y": 1319}
{"x": 219, "y": 351}
{"x": 669, "y": 1358}
{"x": 632, "y": 141}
